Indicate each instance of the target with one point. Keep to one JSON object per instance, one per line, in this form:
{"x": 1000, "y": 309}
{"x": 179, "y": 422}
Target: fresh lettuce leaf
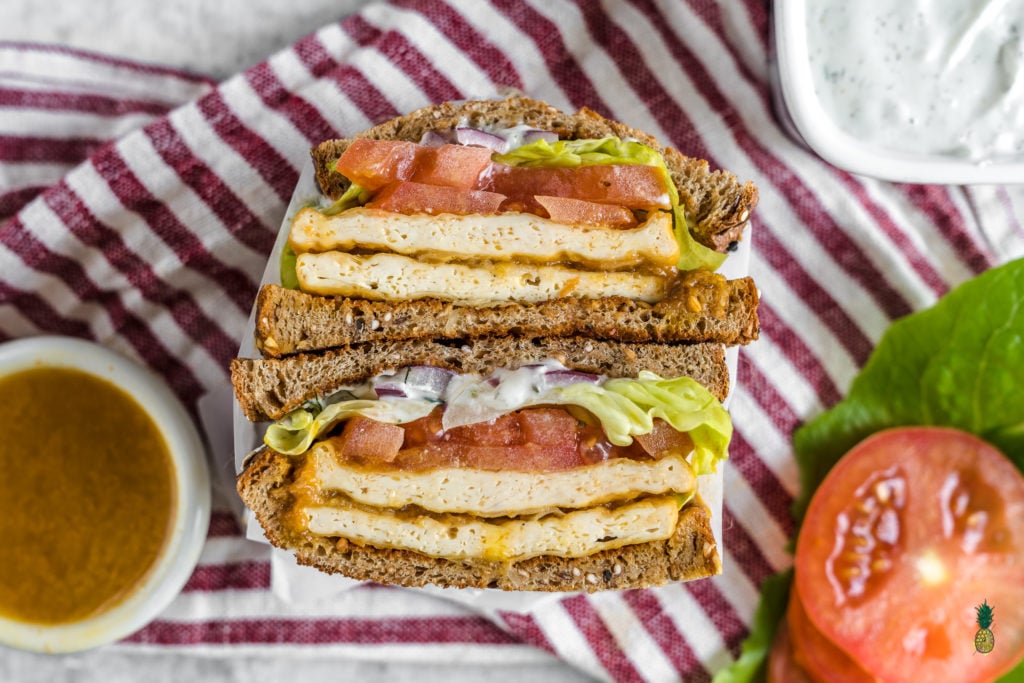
{"x": 752, "y": 664}
{"x": 354, "y": 196}
{"x": 957, "y": 364}
{"x": 588, "y": 152}
{"x": 628, "y": 407}
{"x": 625, "y": 408}
{"x": 295, "y": 432}
{"x": 289, "y": 276}
{"x": 613, "y": 150}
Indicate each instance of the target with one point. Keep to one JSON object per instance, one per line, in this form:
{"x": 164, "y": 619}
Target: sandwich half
{"x": 496, "y": 355}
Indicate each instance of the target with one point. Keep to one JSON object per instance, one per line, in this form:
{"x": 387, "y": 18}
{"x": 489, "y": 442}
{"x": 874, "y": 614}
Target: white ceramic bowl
{"x": 179, "y": 555}
{"x": 796, "y": 100}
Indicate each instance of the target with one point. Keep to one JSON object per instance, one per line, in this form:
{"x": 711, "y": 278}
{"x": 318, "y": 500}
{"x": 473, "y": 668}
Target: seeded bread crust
{"x": 690, "y": 553}
{"x": 717, "y": 204}
{"x": 703, "y": 307}
{"x": 267, "y": 388}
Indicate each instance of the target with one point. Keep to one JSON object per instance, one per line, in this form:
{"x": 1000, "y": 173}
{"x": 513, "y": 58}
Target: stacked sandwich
{"x": 496, "y": 358}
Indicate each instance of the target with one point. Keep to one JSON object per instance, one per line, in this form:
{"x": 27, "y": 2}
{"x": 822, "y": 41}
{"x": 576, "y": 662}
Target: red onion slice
{"x": 480, "y": 138}
{"x": 417, "y": 381}
{"x": 434, "y": 139}
{"x": 561, "y": 378}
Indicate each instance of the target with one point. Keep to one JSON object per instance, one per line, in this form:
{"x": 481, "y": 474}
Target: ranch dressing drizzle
{"x": 923, "y": 76}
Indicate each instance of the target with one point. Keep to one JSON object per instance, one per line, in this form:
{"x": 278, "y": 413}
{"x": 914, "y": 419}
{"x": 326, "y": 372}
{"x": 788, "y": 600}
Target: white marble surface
{"x": 216, "y": 39}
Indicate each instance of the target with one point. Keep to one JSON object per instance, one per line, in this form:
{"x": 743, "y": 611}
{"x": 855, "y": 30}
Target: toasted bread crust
{"x": 703, "y": 307}
{"x": 268, "y": 388}
{"x": 690, "y": 553}
{"x": 717, "y": 204}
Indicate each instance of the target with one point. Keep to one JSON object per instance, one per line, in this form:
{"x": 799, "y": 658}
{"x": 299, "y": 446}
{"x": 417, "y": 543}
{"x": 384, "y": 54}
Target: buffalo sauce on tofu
{"x": 87, "y": 493}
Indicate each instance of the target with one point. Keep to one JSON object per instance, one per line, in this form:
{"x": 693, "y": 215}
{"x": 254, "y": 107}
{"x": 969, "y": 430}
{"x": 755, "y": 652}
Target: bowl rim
{"x": 181, "y": 552}
{"x": 842, "y": 149}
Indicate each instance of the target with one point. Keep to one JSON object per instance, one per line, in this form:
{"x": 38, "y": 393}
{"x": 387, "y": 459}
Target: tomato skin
{"x": 582, "y": 212}
{"x": 819, "y": 657}
{"x": 541, "y": 439}
{"x": 368, "y": 439}
{"x": 782, "y": 666}
{"x": 410, "y": 197}
{"x": 906, "y": 534}
{"x": 375, "y": 163}
{"x": 632, "y": 186}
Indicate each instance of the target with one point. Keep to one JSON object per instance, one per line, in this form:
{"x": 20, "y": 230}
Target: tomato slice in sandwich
{"x": 579, "y": 211}
{"x": 908, "y": 534}
{"x": 375, "y": 163}
{"x": 633, "y": 186}
{"x": 410, "y": 198}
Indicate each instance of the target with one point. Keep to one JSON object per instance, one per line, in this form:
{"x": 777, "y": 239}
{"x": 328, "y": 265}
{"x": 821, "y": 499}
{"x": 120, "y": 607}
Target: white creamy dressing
{"x": 513, "y": 135}
{"x": 468, "y": 398}
{"x": 923, "y": 76}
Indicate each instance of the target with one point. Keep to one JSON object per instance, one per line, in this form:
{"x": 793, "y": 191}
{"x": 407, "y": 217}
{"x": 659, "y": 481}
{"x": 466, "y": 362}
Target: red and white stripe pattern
{"x": 153, "y": 244}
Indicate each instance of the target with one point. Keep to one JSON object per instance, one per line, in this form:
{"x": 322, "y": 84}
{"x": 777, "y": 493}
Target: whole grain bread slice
{"x": 267, "y": 388}
{"x": 702, "y": 307}
{"x": 717, "y": 204}
{"x": 690, "y": 553}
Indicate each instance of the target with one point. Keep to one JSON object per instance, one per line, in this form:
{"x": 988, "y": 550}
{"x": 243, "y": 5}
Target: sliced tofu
{"x": 391, "y": 277}
{"x": 461, "y": 537}
{"x": 520, "y": 237}
{"x": 507, "y": 493}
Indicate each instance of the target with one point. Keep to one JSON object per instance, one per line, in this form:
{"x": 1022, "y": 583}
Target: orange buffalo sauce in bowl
{"x": 104, "y": 495}
{"x": 86, "y": 496}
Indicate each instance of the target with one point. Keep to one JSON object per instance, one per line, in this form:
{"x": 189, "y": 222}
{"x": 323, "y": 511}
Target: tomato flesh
{"x": 582, "y": 212}
{"x": 410, "y": 197}
{"x": 633, "y": 186}
{"x": 375, "y": 163}
{"x": 532, "y": 439}
{"x": 907, "y": 534}
{"x": 369, "y": 439}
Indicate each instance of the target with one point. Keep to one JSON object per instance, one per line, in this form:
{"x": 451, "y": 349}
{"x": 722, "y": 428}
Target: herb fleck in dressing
{"x": 923, "y": 76}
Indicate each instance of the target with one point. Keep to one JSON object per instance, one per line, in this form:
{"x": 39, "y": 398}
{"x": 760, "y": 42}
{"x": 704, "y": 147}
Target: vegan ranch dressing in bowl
{"x": 923, "y": 76}
{"x": 918, "y": 90}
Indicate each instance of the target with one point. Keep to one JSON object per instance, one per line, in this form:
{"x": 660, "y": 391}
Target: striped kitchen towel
{"x": 138, "y": 205}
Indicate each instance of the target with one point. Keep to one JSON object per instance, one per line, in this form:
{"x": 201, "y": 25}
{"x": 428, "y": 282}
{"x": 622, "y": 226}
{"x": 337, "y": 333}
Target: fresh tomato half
{"x": 782, "y": 667}
{"x": 818, "y": 656}
{"x": 907, "y": 534}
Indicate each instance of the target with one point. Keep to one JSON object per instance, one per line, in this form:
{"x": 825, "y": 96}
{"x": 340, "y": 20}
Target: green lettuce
{"x": 628, "y": 407}
{"x": 289, "y": 276}
{"x": 354, "y": 196}
{"x": 625, "y": 408}
{"x": 295, "y": 432}
{"x": 612, "y": 150}
{"x": 753, "y": 660}
{"x": 957, "y": 364}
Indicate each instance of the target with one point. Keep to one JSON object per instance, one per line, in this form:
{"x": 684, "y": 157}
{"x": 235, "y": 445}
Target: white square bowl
{"x": 797, "y": 101}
